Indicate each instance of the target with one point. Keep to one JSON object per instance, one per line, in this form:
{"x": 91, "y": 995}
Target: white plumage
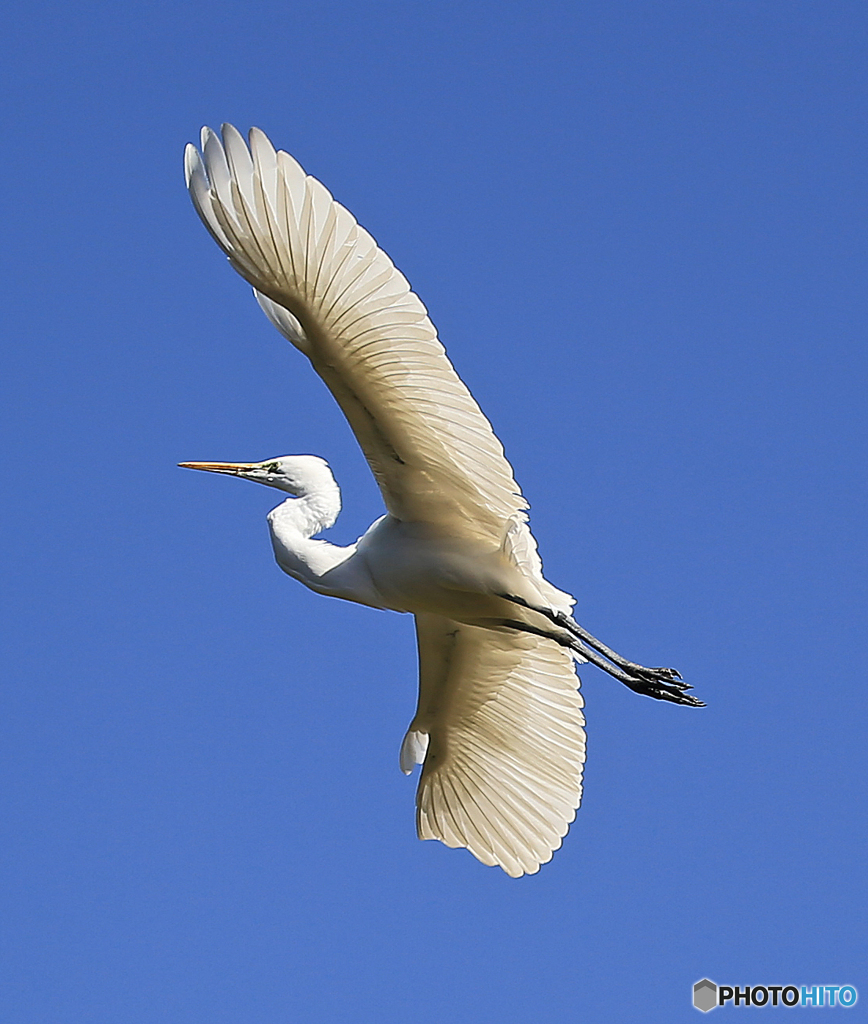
{"x": 499, "y": 728}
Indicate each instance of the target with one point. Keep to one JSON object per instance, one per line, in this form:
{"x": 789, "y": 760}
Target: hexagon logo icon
{"x": 705, "y": 995}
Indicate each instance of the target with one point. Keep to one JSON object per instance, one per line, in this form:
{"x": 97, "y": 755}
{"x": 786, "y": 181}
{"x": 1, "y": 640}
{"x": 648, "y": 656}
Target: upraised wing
{"x": 501, "y": 733}
{"x": 325, "y": 283}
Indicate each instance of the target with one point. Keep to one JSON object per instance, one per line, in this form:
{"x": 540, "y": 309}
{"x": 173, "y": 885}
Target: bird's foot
{"x": 672, "y": 675}
{"x": 668, "y": 675}
{"x": 663, "y": 687}
{"x": 659, "y": 683}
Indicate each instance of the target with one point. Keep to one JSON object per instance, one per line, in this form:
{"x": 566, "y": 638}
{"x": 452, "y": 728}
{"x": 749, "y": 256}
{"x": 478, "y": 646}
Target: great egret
{"x": 499, "y": 726}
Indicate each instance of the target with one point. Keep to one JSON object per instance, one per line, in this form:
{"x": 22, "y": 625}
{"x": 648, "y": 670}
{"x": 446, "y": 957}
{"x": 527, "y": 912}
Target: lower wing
{"x": 501, "y": 717}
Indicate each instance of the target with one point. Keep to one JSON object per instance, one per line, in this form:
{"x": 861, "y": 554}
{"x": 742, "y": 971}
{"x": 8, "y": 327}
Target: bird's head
{"x": 295, "y": 474}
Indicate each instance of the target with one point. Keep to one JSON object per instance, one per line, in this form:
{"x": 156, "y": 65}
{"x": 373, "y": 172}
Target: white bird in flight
{"x": 499, "y": 729}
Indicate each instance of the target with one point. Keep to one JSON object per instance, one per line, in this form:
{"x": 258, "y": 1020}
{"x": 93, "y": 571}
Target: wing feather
{"x": 502, "y": 775}
{"x": 325, "y": 283}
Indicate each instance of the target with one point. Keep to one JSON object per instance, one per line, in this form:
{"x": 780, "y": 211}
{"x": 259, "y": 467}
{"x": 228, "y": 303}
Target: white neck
{"x": 315, "y": 508}
{"x": 324, "y": 567}
{"x": 294, "y": 522}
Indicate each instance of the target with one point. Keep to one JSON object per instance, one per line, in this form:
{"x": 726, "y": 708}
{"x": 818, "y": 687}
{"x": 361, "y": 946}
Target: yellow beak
{"x": 232, "y": 468}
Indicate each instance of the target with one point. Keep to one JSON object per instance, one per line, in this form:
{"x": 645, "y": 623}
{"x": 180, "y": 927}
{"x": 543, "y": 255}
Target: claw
{"x": 670, "y": 675}
{"x": 660, "y": 690}
{"x": 681, "y": 698}
{"x": 665, "y": 673}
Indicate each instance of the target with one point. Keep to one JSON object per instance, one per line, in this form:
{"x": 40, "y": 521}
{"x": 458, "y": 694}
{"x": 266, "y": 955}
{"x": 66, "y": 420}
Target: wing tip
{"x": 193, "y": 165}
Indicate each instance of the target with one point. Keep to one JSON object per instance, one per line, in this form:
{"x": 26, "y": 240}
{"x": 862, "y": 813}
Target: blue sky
{"x": 640, "y": 228}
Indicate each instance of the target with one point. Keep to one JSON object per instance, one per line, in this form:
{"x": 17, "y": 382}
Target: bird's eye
{"x": 272, "y": 467}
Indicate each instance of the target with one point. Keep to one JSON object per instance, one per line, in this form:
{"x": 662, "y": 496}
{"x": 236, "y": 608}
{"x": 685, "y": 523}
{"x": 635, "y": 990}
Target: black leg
{"x": 659, "y": 683}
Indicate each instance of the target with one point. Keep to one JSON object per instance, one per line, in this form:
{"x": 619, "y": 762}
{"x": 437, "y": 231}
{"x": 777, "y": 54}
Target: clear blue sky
{"x": 640, "y": 228}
